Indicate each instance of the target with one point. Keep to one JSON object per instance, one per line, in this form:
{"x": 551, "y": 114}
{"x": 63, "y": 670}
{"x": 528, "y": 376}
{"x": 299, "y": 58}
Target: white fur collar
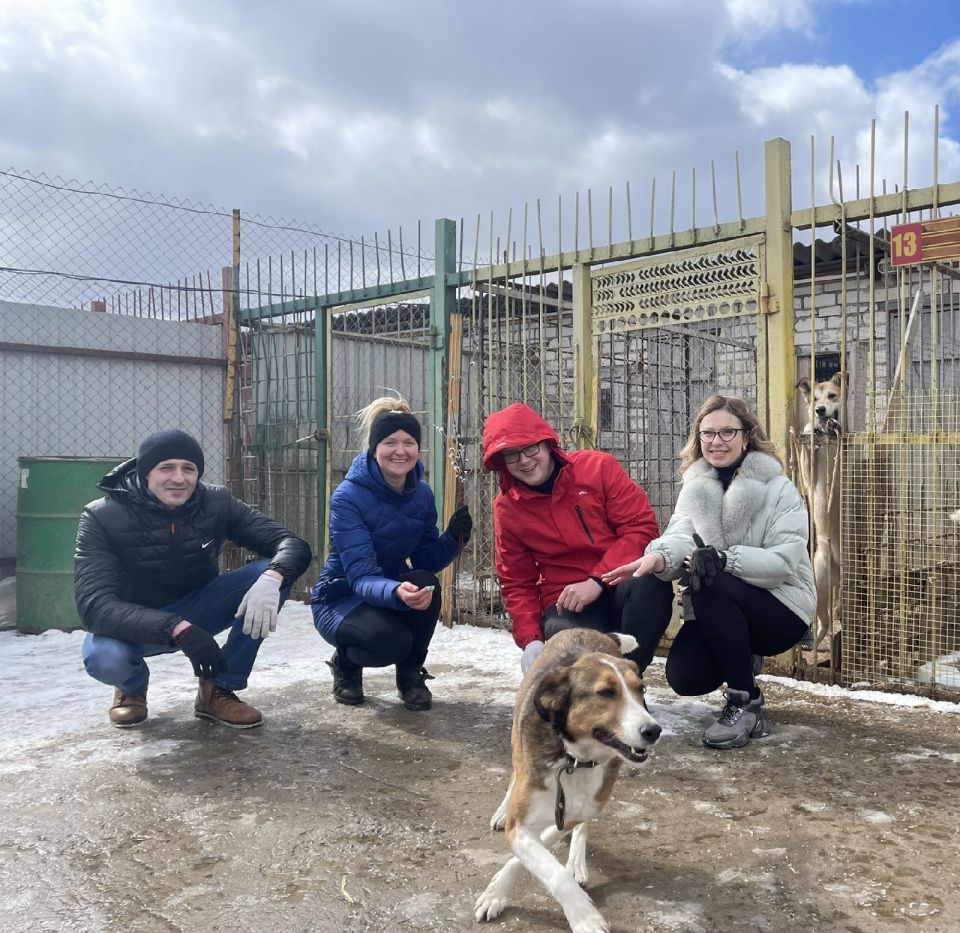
{"x": 723, "y": 519}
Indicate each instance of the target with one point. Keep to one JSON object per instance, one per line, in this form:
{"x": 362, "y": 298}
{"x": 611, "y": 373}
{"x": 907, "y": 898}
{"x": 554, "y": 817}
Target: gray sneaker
{"x": 740, "y": 720}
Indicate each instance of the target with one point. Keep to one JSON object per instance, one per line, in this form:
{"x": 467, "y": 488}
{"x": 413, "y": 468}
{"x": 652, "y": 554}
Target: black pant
{"x": 734, "y": 620}
{"x": 640, "y": 607}
{"x": 374, "y": 636}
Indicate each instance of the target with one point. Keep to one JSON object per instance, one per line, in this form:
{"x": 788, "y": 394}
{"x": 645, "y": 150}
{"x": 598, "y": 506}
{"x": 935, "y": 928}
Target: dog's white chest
{"x": 575, "y": 794}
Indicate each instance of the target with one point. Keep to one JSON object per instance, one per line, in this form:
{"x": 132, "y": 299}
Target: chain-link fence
{"x": 81, "y": 245}
{"x": 900, "y": 544}
{"x": 874, "y": 452}
{"x": 82, "y": 384}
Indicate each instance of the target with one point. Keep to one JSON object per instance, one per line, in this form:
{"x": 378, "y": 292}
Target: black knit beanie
{"x": 170, "y": 444}
{"x": 385, "y": 424}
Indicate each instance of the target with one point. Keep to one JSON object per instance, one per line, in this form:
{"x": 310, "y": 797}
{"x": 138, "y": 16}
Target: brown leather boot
{"x": 127, "y": 710}
{"x": 224, "y": 706}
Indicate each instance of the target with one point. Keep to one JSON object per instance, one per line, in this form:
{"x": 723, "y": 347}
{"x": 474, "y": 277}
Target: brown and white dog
{"x": 580, "y": 713}
{"x": 820, "y": 474}
{"x": 826, "y": 405}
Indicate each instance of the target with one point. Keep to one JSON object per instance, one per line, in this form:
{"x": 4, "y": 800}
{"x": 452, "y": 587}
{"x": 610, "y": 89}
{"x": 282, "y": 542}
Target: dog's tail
{"x": 628, "y": 643}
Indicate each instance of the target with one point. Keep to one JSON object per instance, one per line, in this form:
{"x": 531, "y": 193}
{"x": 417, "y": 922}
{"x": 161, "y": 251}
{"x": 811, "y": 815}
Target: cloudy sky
{"x": 364, "y": 115}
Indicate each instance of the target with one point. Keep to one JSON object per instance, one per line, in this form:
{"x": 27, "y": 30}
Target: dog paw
{"x": 489, "y": 906}
{"x": 579, "y": 870}
{"x": 592, "y": 924}
{"x": 499, "y": 819}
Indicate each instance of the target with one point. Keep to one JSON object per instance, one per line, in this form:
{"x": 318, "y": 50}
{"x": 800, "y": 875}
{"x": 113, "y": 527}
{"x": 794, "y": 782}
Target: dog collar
{"x": 568, "y": 767}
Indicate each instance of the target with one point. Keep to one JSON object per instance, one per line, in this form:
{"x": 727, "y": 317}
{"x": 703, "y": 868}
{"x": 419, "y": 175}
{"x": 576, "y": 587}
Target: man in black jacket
{"x": 148, "y": 581}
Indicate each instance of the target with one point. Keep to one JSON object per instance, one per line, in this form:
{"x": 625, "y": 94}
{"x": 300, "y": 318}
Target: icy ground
{"x": 375, "y": 819}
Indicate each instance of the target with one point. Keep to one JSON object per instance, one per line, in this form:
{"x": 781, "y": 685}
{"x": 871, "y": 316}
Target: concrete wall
{"x": 78, "y": 383}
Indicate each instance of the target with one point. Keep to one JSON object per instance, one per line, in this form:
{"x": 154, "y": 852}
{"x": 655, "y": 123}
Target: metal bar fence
{"x": 616, "y": 339}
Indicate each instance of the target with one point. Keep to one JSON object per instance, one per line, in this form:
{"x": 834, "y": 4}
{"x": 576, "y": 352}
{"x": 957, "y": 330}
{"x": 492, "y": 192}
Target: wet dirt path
{"x": 375, "y": 819}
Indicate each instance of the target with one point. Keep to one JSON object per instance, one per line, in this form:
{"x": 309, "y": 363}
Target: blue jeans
{"x": 212, "y": 608}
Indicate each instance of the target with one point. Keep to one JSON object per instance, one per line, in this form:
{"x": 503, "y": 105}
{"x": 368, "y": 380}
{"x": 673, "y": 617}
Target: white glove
{"x": 259, "y": 607}
{"x": 530, "y": 654}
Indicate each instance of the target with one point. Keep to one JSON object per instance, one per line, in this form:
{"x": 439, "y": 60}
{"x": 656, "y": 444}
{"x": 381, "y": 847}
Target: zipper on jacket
{"x": 173, "y": 528}
{"x": 583, "y": 522}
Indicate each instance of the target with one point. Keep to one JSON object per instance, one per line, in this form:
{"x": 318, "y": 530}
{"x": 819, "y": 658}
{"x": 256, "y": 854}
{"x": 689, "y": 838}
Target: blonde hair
{"x": 753, "y": 430}
{"x": 369, "y": 413}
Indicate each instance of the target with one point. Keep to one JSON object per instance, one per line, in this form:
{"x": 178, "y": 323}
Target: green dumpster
{"x": 51, "y": 495}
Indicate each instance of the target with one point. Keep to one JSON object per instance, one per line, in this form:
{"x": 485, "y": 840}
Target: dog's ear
{"x": 804, "y": 386}
{"x": 626, "y": 643}
{"x": 552, "y": 698}
{"x": 837, "y": 379}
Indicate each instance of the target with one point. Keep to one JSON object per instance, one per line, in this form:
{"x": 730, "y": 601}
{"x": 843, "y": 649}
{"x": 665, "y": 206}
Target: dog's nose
{"x": 651, "y": 733}
{"x": 821, "y": 409}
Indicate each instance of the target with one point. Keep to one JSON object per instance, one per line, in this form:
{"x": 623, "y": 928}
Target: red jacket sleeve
{"x": 518, "y": 574}
{"x": 629, "y": 514}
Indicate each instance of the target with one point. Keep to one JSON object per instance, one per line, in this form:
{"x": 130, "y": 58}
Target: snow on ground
{"x": 45, "y": 692}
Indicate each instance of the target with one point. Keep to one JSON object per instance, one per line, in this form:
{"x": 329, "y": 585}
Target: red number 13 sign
{"x": 906, "y": 243}
{"x": 935, "y": 240}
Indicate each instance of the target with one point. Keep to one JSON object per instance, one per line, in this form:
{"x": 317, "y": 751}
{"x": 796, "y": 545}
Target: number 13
{"x": 905, "y": 245}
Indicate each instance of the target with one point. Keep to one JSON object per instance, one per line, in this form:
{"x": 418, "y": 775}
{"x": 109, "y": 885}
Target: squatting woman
{"x": 738, "y": 539}
{"x": 378, "y": 598}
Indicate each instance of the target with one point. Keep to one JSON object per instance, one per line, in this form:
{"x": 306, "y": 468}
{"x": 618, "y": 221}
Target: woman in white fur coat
{"x": 738, "y": 540}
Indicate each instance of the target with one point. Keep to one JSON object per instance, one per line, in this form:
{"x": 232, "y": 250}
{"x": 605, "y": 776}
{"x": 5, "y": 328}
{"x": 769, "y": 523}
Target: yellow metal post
{"x": 776, "y": 365}
{"x": 231, "y": 398}
{"x": 585, "y": 394}
{"x": 453, "y": 481}
{"x": 776, "y": 361}
{"x": 230, "y": 319}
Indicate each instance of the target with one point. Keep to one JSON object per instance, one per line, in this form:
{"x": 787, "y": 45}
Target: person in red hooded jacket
{"x": 561, "y": 520}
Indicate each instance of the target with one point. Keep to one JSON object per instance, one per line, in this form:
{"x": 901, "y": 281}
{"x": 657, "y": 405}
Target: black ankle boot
{"x": 413, "y": 689}
{"x": 347, "y": 680}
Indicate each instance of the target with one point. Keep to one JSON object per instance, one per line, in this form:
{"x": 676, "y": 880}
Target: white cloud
{"x": 797, "y": 101}
{"x": 810, "y": 92}
{"x": 355, "y": 117}
{"x": 753, "y": 19}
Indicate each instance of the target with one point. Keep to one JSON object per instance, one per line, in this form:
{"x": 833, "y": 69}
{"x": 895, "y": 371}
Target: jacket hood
{"x": 365, "y": 472}
{"x": 513, "y": 426}
{"x": 122, "y": 482}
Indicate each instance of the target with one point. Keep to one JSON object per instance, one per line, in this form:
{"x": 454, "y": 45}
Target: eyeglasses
{"x": 725, "y": 434}
{"x": 513, "y": 456}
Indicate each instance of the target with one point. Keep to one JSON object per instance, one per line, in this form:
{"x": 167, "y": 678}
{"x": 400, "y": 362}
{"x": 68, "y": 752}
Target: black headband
{"x": 385, "y": 424}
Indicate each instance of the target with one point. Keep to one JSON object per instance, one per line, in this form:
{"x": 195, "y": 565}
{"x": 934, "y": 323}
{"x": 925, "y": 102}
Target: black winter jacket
{"x": 135, "y": 556}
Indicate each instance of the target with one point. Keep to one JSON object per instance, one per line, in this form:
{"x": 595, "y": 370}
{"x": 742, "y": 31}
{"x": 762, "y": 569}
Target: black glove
{"x": 202, "y": 650}
{"x": 460, "y": 524}
{"x": 705, "y": 563}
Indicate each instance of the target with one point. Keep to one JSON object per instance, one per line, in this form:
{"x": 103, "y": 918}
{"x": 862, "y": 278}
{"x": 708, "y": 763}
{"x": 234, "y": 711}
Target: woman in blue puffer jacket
{"x": 378, "y": 598}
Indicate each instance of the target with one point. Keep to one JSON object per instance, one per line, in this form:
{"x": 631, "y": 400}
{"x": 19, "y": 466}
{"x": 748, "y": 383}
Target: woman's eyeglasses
{"x": 725, "y": 434}
{"x": 513, "y": 456}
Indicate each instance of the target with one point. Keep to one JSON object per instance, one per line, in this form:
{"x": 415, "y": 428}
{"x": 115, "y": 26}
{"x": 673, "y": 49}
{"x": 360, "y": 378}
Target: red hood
{"x": 513, "y": 426}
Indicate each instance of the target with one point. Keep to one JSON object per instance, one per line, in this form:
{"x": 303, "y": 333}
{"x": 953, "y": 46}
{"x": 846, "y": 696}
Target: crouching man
{"x": 563, "y": 519}
{"x": 148, "y": 582}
